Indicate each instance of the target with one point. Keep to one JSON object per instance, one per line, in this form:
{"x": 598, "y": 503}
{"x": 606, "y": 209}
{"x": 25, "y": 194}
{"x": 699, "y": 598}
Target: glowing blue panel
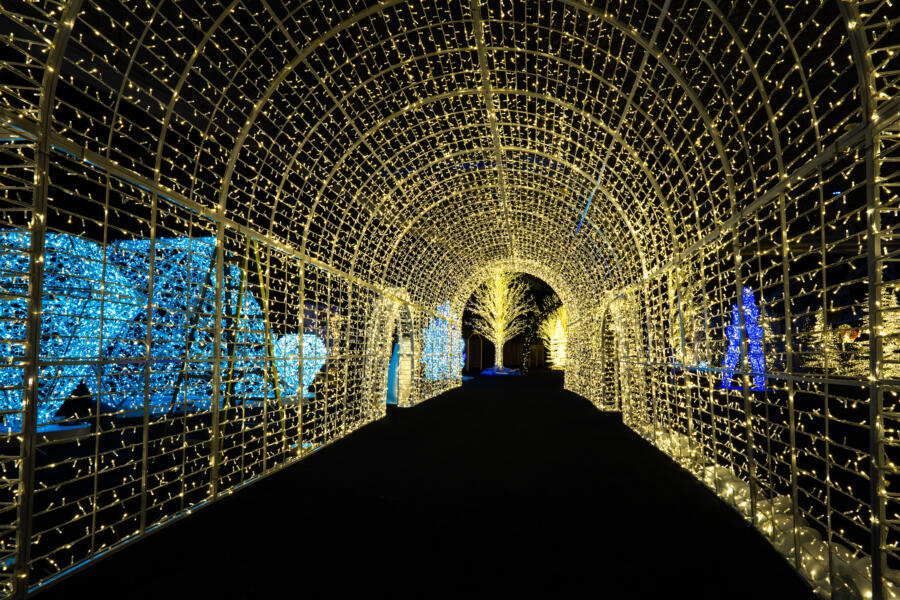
{"x": 78, "y": 290}
{"x": 181, "y": 346}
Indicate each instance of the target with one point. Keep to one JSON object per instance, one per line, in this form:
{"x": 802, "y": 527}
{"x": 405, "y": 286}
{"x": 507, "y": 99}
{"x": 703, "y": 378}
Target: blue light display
{"x": 442, "y": 346}
{"x": 79, "y": 288}
{"x": 287, "y": 352}
{"x": 181, "y": 347}
{"x": 76, "y": 292}
{"x": 754, "y": 345}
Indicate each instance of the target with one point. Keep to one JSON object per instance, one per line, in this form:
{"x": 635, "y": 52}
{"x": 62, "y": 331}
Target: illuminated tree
{"x": 499, "y": 307}
{"x": 890, "y": 337}
{"x": 553, "y": 332}
{"x": 755, "y": 332}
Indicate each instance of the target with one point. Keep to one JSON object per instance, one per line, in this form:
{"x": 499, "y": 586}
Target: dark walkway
{"x": 507, "y": 488}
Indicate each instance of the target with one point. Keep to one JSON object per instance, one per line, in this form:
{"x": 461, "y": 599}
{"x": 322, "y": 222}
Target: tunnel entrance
{"x": 514, "y": 322}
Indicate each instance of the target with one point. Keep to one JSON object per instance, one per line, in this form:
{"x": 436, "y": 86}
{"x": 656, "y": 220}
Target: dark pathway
{"x": 509, "y": 488}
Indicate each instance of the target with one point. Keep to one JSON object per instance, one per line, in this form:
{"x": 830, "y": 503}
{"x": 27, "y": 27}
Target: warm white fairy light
{"x": 500, "y": 307}
{"x": 553, "y": 331}
{"x": 358, "y": 170}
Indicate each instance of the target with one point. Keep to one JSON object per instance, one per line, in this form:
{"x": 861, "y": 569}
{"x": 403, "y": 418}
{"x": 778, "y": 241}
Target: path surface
{"x": 507, "y": 487}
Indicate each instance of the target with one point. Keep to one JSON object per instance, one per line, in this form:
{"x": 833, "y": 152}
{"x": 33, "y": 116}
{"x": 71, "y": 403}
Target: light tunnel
{"x": 215, "y": 216}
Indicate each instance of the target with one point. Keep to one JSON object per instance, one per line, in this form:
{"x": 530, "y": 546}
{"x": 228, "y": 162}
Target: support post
{"x": 148, "y": 357}
{"x": 31, "y": 367}
{"x": 216, "y": 434}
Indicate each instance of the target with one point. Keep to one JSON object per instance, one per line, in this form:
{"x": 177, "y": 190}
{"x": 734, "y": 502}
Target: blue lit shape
{"x": 182, "y": 328}
{"x": 442, "y": 345}
{"x": 755, "y": 343}
{"x": 287, "y": 353}
{"x": 75, "y": 288}
{"x": 393, "y": 382}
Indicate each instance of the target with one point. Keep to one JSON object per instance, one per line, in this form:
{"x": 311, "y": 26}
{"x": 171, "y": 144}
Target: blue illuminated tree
{"x": 755, "y": 334}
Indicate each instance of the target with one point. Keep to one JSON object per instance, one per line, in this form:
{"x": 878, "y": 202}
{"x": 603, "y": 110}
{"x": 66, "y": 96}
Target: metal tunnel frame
{"x": 211, "y": 215}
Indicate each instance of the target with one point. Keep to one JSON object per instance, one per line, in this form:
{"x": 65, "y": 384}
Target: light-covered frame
{"x": 648, "y": 160}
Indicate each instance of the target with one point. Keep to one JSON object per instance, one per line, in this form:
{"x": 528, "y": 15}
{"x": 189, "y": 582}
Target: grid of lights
{"x": 206, "y": 205}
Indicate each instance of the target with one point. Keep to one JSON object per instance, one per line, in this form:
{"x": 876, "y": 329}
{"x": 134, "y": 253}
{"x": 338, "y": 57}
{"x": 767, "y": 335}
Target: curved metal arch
{"x": 358, "y": 142}
{"x": 459, "y": 191}
{"x": 622, "y": 141}
{"x": 807, "y": 93}
{"x": 529, "y": 93}
{"x": 534, "y": 268}
{"x": 613, "y": 201}
{"x": 675, "y": 154}
{"x": 363, "y": 14}
{"x": 273, "y": 85}
{"x": 37, "y": 229}
{"x": 618, "y": 138}
{"x": 577, "y": 298}
{"x": 521, "y": 265}
{"x": 417, "y": 58}
{"x": 189, "y": 65}
{"x": 423, "y": 214}
{"x": 677, "y": 75}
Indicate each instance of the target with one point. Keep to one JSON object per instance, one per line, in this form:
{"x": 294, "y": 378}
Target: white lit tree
{"x": 890, "y": 335}
{"x": 553, "y": 331}
{"x": 499, "y": 307}
{"x": 822, "y": 347}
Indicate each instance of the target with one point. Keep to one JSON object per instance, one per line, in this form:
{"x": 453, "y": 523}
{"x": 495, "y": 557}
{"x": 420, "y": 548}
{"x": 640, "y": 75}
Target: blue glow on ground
{"x": 493, "y": 371}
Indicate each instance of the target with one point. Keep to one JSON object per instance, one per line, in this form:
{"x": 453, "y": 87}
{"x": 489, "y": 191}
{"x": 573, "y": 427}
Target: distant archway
{"x": 390, "y": 352}
{"x": 402, "y": 367}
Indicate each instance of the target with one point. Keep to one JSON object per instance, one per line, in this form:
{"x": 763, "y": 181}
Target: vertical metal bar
{"x": 603, "y": 356}
{"x": 219, "y": 279}
{"x": 684, "y": 372}
{"x": 745, "y": 367}
{"x": 270, "y": 347}
{"x": 37, "y": 240}
{"x": 97, "y": 422}
{"x": 866, "y": 75}
{"x": 301, "y": 363}
{"x": 148, "y": 357}
{"x": 789, "y": 366}
{"x": 31, "y": 372}
{"x": 829, "y": 533}
{"x": 713, "y": 396}
{"x": 235, "y": 324}
{"x": 876, "y": 434}
{"x": 644, "y": 299}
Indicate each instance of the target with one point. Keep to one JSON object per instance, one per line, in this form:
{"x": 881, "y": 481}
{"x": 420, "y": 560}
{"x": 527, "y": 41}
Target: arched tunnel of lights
{"x": 215, "y": 217}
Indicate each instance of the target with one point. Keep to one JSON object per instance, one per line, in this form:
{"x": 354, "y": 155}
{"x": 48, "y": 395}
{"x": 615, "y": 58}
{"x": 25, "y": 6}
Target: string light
{"x": 250, "y": 203}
